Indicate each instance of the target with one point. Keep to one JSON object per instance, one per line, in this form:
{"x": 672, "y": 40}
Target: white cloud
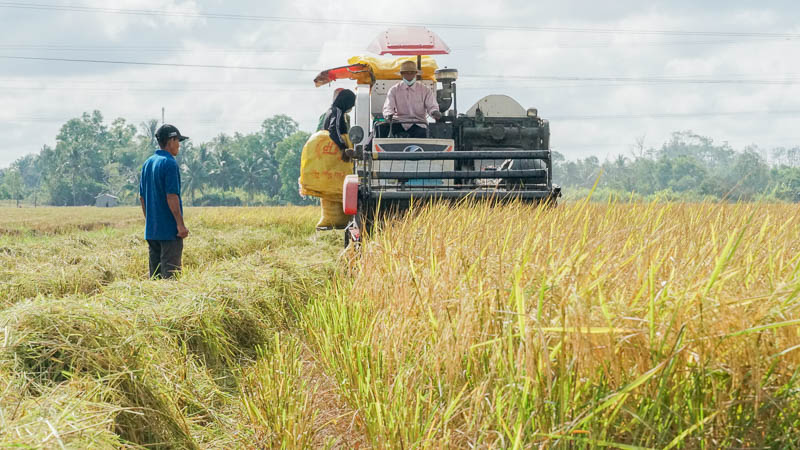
{"x": 177, "y": 17}
{"x": 39, "y": 96}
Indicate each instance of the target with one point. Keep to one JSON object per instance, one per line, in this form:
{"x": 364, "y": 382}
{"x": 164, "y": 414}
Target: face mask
{"x": 409, "y": 83}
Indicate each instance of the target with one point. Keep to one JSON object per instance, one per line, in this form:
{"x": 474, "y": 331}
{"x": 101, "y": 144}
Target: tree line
{"x": 92, "y": 157}
{"x": 688, "y": 167}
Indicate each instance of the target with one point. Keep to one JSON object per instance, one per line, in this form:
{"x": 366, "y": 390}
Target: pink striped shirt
{"x": 410, "y": 104}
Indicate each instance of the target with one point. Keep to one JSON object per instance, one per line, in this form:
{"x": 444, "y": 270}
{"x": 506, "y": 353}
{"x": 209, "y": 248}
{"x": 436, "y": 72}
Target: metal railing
{"x": 394, "y": 175}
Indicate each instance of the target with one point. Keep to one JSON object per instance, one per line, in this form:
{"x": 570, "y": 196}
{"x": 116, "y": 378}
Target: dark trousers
{"x": 165, "y": 258}
{"x": 414, "y": 132}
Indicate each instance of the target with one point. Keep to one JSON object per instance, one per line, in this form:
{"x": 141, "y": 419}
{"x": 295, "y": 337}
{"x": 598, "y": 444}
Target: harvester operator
{"x": 409, "y": 103}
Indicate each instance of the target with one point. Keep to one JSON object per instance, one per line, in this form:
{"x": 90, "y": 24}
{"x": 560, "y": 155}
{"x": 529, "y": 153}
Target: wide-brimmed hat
{"x": 408, "y": 66}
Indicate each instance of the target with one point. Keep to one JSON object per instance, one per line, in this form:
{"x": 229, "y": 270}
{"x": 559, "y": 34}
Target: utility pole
{"x": 162, "y": 116}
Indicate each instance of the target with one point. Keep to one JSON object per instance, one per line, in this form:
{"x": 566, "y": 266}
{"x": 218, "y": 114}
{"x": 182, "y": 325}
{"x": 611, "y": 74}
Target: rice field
{"x": 619, "y": 325}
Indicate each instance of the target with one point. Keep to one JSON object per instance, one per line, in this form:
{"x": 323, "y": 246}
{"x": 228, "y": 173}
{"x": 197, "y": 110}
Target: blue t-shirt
{"x": 160, "y": 176}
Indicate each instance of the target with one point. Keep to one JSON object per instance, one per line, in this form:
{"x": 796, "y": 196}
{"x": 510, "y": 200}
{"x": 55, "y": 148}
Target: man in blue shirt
{"x": 160, "y": 194}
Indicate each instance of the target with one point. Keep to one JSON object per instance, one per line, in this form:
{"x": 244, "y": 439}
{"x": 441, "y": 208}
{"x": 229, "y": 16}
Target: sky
{"x": 605, "y": 74}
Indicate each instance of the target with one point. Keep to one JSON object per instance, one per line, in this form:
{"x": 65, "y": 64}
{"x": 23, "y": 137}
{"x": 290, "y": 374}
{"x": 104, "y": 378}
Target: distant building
{"x": 106, "y": 201}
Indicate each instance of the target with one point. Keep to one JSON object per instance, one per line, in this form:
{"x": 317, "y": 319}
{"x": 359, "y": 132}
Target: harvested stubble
{"x": 134, "y": 362}
{"x": 55, "y": 221}
{"x": 586, "y": 325}
{"x": 39, "y": 262}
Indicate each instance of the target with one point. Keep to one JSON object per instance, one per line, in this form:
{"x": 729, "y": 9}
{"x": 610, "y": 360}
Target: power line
{"x": 280, "y": 87}
{"x": 136, "y": 121}
{"x": 181, "y": 83}
{"x": 150, "y": 50}
{"x": 352, "y": 48}
{"x": 280, "y": 19}
{"x": 140, "y": 63}
{"x": 216, "y": 120}
{"x": 674, "y": 115}
{"x": 28, "y": 83}
{"x": 94, "y": 81}
{"x": 647, "y": 80}
{"x": 172, "y": 90}
{"x": 644, "y": 80}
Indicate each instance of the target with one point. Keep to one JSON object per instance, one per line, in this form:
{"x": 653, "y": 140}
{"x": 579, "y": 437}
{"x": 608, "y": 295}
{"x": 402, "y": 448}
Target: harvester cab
{"x": 495, "y": 151}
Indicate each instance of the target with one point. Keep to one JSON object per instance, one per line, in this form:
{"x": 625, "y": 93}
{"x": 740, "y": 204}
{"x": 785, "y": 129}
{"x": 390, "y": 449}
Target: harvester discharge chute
{"x": 497, "y": 150}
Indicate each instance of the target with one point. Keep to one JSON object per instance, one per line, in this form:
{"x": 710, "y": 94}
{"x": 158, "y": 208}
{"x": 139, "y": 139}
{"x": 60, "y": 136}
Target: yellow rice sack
{"x": 333, "y": 215}
{"x": 322, "y": 170}
{"x": 389, "y": 69}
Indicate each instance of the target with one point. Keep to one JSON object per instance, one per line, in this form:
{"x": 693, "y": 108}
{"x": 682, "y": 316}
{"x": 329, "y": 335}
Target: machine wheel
{"x": 524, "y": 164}
{"x": 358, "y": 222}
{"x": 348, "y": 236}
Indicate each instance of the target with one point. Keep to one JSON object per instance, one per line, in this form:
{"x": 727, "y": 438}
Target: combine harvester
{"x": 496, "y": 151}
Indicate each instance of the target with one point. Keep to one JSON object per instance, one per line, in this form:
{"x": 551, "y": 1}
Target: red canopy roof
{"x": 408, "y": 41}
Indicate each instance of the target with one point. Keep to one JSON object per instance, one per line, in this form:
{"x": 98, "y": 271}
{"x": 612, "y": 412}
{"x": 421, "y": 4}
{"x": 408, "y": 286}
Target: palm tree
{"x": 149, "y": 128}
{"x": 223, "y": 164}
{"x": 256, "y": 170}
{"x": 195, "y": 164}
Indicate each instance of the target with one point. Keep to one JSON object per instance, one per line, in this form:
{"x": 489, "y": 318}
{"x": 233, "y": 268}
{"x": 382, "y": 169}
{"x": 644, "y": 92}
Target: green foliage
{"x": 258, "y": 171}
{"x": 218, "y": 199}
{"x": 276, "y": 129}
{"x": 92, "y": 157}
{"x": 288, "y": 154}
{"x": 688, "y": 167}
{"x": 78, "y": 158}
{"x": 13, "y": 185}
{"x": 195, "y": 163}
{"x": 787, "y": 183}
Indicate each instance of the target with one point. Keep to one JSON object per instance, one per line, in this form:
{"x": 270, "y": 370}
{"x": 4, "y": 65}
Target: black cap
{"x": 167, "y": 132}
